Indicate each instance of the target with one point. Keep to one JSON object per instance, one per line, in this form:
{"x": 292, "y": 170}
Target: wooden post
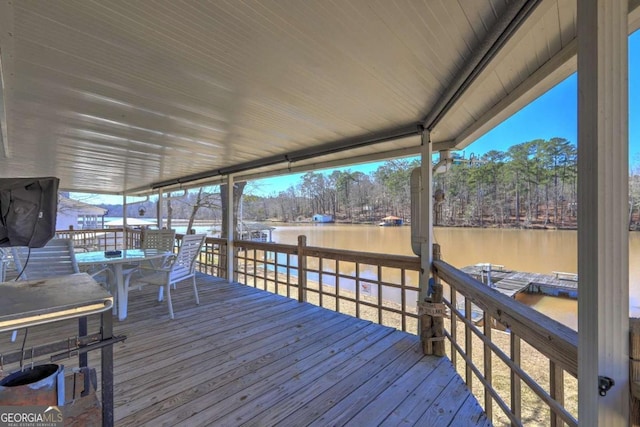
{"x": 231, "y": 232}
{"x": 302, "y": 269}
{"x": 634, "y": 371}
{"x": 431, "y": 313}
{"x": 425, "y": 226}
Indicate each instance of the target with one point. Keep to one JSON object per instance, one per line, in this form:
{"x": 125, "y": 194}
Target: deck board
{"x": 247, "y": 357}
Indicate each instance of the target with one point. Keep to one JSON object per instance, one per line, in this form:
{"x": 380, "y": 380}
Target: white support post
{"x": 124, "y": 224}
{"x": 426, "y": 216}
{"x": 603, "y": 233}
{"x": 159, "y": 212}
{"x": 230, "y": 229}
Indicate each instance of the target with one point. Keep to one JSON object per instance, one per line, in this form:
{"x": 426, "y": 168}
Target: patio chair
{"x": 176, "y": 268}
{"x": 56, "y": 258}
{"x": 162, "y": 240}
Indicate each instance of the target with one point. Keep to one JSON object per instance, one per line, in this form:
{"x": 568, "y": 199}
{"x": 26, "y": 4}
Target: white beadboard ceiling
{"x": 120, "y": 96}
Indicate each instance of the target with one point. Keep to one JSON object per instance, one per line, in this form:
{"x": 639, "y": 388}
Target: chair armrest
{"x": 167, "y": 262}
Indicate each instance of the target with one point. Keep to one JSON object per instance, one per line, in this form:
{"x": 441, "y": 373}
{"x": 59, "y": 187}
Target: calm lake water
{"x": 541, "y": 251}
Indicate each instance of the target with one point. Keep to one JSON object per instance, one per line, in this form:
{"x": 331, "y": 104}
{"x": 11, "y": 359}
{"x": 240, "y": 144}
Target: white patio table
{"x": 116, "y": 264}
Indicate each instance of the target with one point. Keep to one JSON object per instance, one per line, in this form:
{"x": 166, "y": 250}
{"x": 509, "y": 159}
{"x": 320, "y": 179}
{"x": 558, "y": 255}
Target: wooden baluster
{"x": 379, "y": 284}
{"x": 556, "y": 391}
{"x": 320, "y": 287}
{"x": 403, "y": 298}
{"x": 488, "y": 374}
{"x": 453, "y": 326}
{"x": 337, "y": 287}
{"x": 468, "y": 343}
{"x": 265, "y": 269}
{"x": 275, "y": 271}
{"x": 254, "y": 260}
{"x": 288, "y": 275}
{"x": 302, "y": 269}
{"x": 516, "y": 383}
{"x": 358, "y": 294}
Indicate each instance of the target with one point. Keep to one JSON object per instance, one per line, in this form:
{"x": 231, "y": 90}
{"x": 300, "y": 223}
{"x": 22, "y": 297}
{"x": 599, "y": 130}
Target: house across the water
{"x": 78, "y": 215}
{"x": 324, "y": 218}
{"x": 390, "y": 221}
{"x": 256, "y": 232}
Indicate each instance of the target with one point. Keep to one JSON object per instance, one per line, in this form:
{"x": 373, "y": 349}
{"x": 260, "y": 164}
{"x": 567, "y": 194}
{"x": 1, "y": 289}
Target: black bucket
{"x": 38, "y": 385}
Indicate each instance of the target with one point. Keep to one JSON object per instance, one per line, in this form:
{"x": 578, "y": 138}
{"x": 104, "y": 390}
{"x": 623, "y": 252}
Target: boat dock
{"x": 511, "y": 283}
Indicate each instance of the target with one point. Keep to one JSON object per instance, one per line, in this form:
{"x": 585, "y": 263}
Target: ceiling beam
{"x": 367, "y": 158}
{"x": 307, "y": 153}
{"x": 413, "y": 150}
{"x": 507, "y": 24}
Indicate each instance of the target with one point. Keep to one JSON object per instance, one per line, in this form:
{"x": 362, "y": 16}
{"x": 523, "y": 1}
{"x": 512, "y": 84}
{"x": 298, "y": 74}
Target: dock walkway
{"x": 511, "y": 283}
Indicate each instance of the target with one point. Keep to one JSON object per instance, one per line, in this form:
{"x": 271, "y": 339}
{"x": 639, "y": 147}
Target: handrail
{"x": 384, "y": 260}
{"x": 263, "y": 246}
{"x": 550, "y": 337}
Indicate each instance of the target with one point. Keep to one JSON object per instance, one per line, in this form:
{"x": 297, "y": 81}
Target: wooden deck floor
{"x": 248, "y": 357}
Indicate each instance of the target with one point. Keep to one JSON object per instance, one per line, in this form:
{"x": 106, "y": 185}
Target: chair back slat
{"x": 56, "y": 258}
{"x": 185, "y": 263}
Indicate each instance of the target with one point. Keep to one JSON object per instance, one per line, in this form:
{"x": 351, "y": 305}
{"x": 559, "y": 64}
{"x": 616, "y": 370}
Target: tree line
{"x": 531, "y": 184}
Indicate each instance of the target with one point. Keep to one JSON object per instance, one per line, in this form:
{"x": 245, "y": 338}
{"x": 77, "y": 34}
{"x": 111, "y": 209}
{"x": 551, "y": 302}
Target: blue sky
{"x": 554, "y": 114}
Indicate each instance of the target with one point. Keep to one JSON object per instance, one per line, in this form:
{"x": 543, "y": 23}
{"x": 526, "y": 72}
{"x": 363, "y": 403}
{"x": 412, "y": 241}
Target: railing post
{"x": 431, "y": 312}
{"x": 302, "y": 269}
{"x": 634, "y": 371}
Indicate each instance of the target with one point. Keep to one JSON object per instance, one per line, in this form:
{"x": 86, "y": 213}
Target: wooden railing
{"x": 380, "y": 288}
{"x": 101, "y": 239}
{"x": 213, "y": 259}
{"x": 505, "y": 361}
{"x": 268, "y": 266}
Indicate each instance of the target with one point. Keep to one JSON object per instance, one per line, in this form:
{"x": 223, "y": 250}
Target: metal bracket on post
{"x": 604, "y": 385}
